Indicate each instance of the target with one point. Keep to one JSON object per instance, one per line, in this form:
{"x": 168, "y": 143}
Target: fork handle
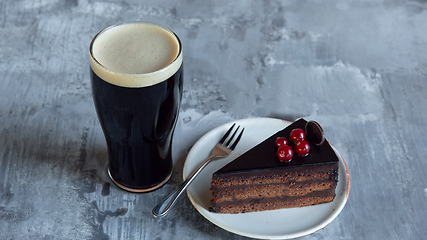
{"x": 164, "y": 206}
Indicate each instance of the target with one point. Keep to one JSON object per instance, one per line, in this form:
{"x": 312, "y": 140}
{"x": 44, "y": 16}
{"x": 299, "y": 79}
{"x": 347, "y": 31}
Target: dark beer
{"x": 137, "y": 98}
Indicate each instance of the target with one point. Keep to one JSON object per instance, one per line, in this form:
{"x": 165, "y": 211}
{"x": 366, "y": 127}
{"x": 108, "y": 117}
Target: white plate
{"x": 274, "y": 224}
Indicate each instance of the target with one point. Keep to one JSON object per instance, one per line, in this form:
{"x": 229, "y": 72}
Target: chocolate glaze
{"x": 263, "y": 156}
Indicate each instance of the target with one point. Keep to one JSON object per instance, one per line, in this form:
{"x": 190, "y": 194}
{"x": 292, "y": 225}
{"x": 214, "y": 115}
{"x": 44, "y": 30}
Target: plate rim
{"x": 232, "y": 229}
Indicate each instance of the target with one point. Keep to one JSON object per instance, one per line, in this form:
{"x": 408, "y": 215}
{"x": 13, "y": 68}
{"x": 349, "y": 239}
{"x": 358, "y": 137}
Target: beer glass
{"x": 137, "y": 79}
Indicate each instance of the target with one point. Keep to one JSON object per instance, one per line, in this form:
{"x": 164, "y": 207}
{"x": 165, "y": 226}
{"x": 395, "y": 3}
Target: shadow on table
{"x": 51, "y": 150}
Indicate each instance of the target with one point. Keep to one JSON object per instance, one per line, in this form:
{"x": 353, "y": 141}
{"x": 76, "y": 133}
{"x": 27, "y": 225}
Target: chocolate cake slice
{"x": 257, "y": 180}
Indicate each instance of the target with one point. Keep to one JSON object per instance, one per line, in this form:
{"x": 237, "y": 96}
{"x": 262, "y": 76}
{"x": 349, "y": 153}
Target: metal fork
{"x": 221, "y": 150}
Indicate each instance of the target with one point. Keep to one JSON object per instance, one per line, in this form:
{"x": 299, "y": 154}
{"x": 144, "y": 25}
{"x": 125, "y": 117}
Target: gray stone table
{"x": 357, "y": 67}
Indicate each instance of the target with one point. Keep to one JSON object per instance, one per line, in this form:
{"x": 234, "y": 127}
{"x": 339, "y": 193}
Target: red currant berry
{"x": 281, "y": 141}
{"x": 285, "y": 153}
{"x": 297, "y": 135}
{"x": 302, "y": 148}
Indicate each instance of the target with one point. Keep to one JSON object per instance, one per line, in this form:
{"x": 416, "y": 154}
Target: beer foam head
{"x": 135, "y": 54}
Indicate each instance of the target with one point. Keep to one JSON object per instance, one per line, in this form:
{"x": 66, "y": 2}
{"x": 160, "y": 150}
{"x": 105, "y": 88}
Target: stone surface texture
{"x": 359, "y": 68}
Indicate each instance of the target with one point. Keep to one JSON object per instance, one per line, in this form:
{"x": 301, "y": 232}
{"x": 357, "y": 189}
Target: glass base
{"x": 139, "y": 190}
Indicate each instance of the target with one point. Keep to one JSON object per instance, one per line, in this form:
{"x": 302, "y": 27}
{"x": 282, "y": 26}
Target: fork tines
{"x": 232, "y": 136}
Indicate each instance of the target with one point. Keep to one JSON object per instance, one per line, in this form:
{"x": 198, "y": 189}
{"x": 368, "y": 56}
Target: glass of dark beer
{"x": 137, "y": 79}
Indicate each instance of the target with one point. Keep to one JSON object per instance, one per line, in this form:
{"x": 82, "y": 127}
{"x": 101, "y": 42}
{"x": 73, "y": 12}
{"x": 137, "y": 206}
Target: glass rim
{"x": 134, "y": 75}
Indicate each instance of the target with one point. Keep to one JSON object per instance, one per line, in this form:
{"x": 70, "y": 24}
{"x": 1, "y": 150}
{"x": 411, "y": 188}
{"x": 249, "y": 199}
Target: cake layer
{"x": 328, "y": 171}
{"x": 236, "y": 193}
{"x": 254, "y": 205}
